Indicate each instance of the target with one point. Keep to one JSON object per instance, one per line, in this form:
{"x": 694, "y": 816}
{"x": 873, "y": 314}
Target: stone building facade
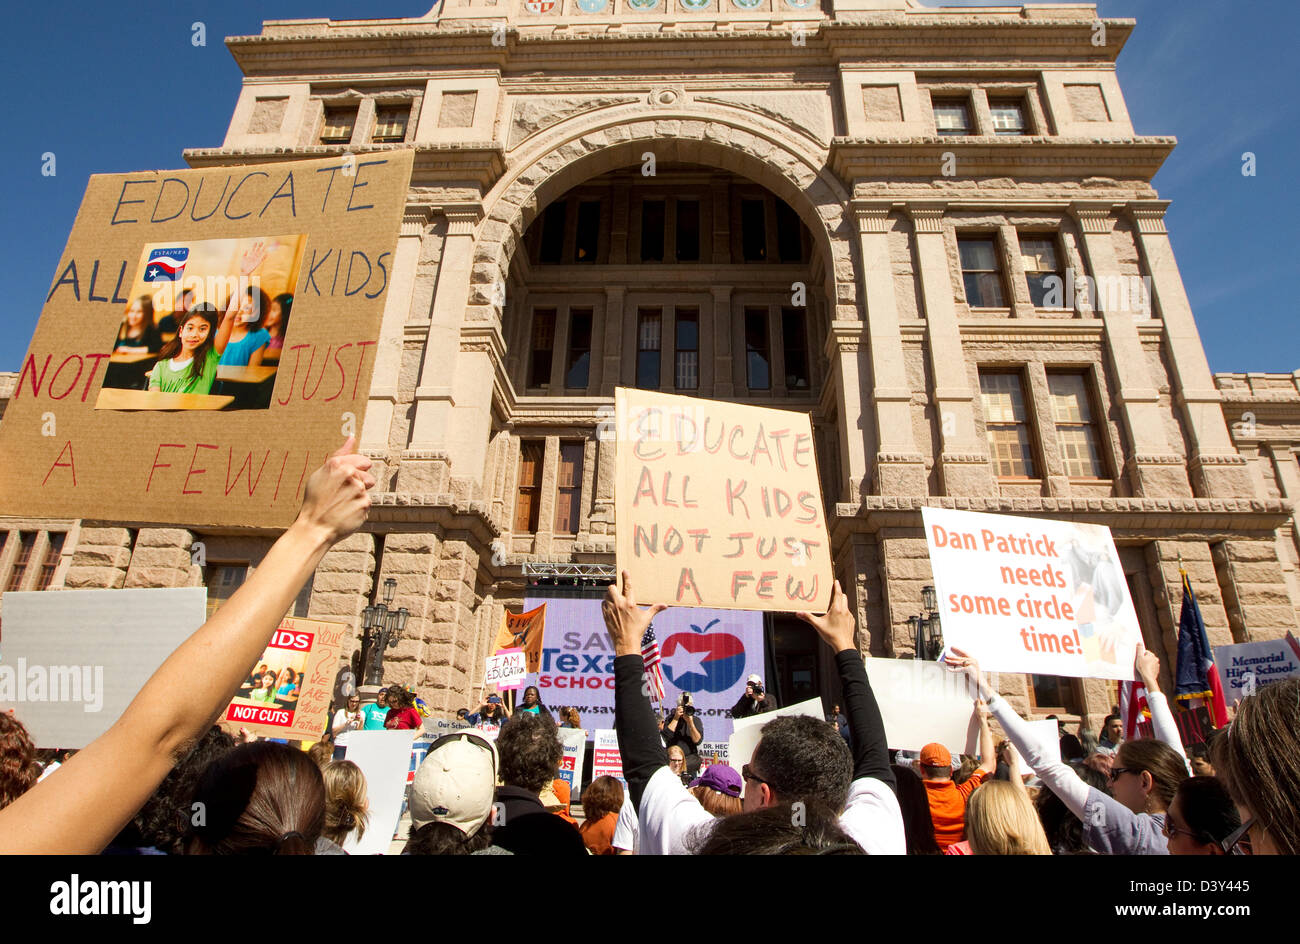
{"x": 933, "y": 230}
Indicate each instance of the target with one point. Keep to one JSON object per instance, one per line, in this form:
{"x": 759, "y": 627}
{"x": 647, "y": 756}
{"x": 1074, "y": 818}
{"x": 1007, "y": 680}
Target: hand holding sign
{"x": 625, "y": 621}
{"x": 336, "y": 502}
{"x": 837, "y": 628}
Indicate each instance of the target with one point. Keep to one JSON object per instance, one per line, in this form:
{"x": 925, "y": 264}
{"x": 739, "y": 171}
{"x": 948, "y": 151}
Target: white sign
{"x": 1245, "y": 667}
{"x": 71, "y": 661}
{"x": 385, "y": 759}
{"x": 606, "y": 759}
{"x": 574, "y": 743}
{"x": 748, "y": 731}
{"x": 924, "y": 703}
{"x": 507, "y": 669}
{"x": 1033, "y": 596}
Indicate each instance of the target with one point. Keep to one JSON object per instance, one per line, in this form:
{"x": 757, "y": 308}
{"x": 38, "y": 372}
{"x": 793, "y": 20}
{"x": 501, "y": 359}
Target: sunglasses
{"x": 747, "y": 773}
{"x": 1116, "y": 771}
{"x": 1171, "y": 831}
{"x": 1237, "y": 842}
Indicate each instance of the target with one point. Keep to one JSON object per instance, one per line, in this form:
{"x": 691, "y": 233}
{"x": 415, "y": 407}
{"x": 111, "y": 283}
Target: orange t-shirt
{"x": 948, "y": 807}
{"x": 599, "y": 836}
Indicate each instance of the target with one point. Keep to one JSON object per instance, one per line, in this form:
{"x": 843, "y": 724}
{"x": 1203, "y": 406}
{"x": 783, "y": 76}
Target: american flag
{"x": 1133, "y": 710}
{"x": 650, "y": 653}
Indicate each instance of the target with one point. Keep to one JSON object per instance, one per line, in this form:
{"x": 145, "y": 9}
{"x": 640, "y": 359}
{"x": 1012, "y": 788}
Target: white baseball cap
{"x": 754, "y": 680}
{"x": 456, "y": 784}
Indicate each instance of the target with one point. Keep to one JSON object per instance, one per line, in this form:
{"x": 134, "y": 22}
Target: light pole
{"x": 382, "y": 629}
{"x": 927, "y": 636}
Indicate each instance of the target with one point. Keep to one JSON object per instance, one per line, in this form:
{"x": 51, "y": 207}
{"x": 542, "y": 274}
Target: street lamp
{"x": 926, "y": 631}
{"x": 382, "y": 629}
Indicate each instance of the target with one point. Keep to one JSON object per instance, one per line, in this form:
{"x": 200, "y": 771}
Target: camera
{"x": 684, "y": 702}
{"x": 757, "y": 687}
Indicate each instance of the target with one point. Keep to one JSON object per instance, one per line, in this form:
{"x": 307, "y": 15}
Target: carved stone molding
{"x": 927, "y": 218}
{"x": 1094, "y": 218}
{"x": 872, "y": 217}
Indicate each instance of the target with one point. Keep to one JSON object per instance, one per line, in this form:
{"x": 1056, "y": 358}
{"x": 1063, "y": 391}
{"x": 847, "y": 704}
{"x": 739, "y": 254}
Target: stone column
{"x": 431, "y": 427}
{"x": 100, "y": 560}
{"x": 342, "y": 588}
{"x": 964, "y": 465}
{"x": 162, "y": 559}
{"x": 450, "y": 636}
{"x": 898, "y": 466}
{"x": 1154, "y": 469}
{"x": 1264, "y": 609}
{"x": 724, "y": 384}
{"x": 411, "y": 558}
{"x": 1216, "y": 469}
{"x": 611, "y": 370}
{"x": 1287, "y": 475}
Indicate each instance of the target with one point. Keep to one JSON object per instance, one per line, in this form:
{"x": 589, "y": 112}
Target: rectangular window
{"x": 789, "y": 233}
{"x": 338, "y": 125}
{"x": 648, "y": 343}
{"x": 952, "y": 116}
{"x": 757, "y": 358}
{"x": 794, "y": 340}
{"x": 1076, "y": 430}
{"x": 542, "y": 349}
{"x": 1053, "y": 692}
{"x": 652, "y": 231}
{"x": 753, "y": 230}
{"x": 553, "y": 221}
{"x": 390, "y": 123}
{"x": 223, "y": 581}
{"x": 578, "y": 368}
{"x": 687, "y": 233}
{"x": 980, "y": 272}
{"x": 1043, "y": 271}
{"x": 569, "y": 489}
{"x": 1007, "y": 422}
{"x": 588, "y": 240}
{"x": 51, "y": 563}
{"x": 687, "y": 351}
{"x": 23, "y": 558}
{"x": 1008, "y": 116}
{"x": 529, "y": 501}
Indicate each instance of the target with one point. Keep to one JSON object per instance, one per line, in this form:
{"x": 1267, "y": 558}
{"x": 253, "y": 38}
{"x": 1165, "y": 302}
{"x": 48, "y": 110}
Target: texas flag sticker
{"x": 165, "y": 265}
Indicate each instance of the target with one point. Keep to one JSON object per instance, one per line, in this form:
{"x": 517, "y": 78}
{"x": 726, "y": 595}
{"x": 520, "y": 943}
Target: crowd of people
{"x": 810, "y": 787}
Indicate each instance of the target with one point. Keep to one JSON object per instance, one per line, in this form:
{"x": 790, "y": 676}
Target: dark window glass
{"x": 588, "y": 241}
{"x": 952, "y": 116}
{"x": 687, "y": 374}
{"x": 579, "y": 366}
{"x": 688, "y": 231}
{"x": 26, "y": 543}
{"x": 338, "y": 125}
{"x": 553, "y": 233}
{"x": 981, "y": 273}
{"x": 789, "y": 233}
{"x": 652, "y": 231}
{"x": 51, "y": 563}
{"x": 390, "y": 123}
{"x": 757, "y": 361}
{"x": 648, "y": 345}
{"x": 794, "y": 340}
{"x": 1008, "y": 116}
{"x": 569, "y": 488}
{"x": 753, "y": 230}
{"x": 1043, "y": 271}
{"x": 543, "y": 348}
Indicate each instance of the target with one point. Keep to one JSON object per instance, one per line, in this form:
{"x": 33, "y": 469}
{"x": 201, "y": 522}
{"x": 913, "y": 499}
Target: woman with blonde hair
{"x": 346, "y": 807}
{"x": 1000, "y": 820}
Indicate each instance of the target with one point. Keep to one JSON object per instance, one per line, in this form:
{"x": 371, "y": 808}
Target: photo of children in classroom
{"x": 204, "y": 325}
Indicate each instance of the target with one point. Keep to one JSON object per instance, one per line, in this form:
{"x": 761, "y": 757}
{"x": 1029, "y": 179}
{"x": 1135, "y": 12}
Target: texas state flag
{"x": 705, "y": 662}
{"x": 165, "y": 265}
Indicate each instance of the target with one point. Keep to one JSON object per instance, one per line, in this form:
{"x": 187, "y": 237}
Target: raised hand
{"x": 837, "y": 628}
{"x": 626, "y": 622}
{"x": 253, "y": 257}
{"x": 336, "y": 502}
{"x": 1148, "y": 668}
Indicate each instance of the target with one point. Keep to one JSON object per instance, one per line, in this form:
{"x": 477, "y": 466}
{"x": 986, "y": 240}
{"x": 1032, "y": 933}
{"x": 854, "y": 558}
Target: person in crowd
{"x": 188, "y": 362}
{"x": 914, "y": 803}
{"x": 1201, "y": 816}
{"x": 160, "y": 826}
{"x": 277, "y": 322}
{"x": 837, "y": 718}
{"x": 530, "y": 758}
{"x": 241, "y": 337}
{"x": 452, "y": 797}
{"x": 801, "y": 827}
{"x": 1258, "y": 760}
{"x": 347, "y": 809}
{"x": 1072, "y": 749}
{"x": 1198, "y": 755}
{"x": 797, "y": 759}
{"x": 376, "y": 713}
{"x": 19, "y": 769}
{"x": 402, "y": 715}
{"x": 947, "y": 798}
{"x": 259, "y": 798}
{"x": 683, "y": 729}
{"x": 491, "y": 714}
{"x": 718, "y": 789}
{"x": 1000, "y": 820}
{"x": 968, "y": 766}
{"x": 557, "y": 797}
{"x": 462, "y": 714}
{"x": 1145, "y": 774}
{"x": 1112, "y": 735}
{"x": 627, "y": 831}
{"x": 1063, "y": 829}
{"x": 755, "y": 700}
{"x": 322, "y": 752}
{"x": 346, "y": 720}
{"x": 167, "y": 324}
{"x": 569, "y": 718}
{"x": 102, "y": 786}
{"x": 532, "y": 703}
{"x": 138, "y": 335}
{"x": 601, "y": 802}
{"x": 677, "y": 763}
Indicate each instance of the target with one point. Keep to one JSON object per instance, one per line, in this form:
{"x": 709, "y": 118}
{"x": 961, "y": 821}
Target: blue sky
{"x": 106, "y": 95}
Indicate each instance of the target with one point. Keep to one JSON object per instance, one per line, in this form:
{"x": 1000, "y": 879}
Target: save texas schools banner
{"x": 207, "y": 340}
{"x": 708, "y": 653}
{"x": 1026, "y": 595}
{"x": 287, "y": 694}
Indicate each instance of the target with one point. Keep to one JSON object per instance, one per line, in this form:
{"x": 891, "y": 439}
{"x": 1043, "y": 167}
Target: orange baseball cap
{"x": 935, "y": 755}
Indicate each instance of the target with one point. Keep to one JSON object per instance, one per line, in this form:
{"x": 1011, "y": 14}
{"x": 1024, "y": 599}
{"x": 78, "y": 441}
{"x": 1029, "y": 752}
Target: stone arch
{"x": 755, "y": 148}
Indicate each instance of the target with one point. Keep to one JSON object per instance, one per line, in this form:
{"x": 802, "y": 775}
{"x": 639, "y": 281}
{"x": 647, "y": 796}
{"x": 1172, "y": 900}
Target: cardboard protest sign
{"x": 70, "y": 662}
{"x": 719, "y": 505}
{"x": 207, "y": 341}
{"x": 385, "y": 759}
{"x": 1248, "y": 666}
{"x": 749, "y": 731}
{"x": 574, "y": 742}
{"x": 606, "y": 759}
{"x": 1033, "y": 596}
{"x": 523, "y": 631}
{"x": 287, "y": 693}
{"x": 924, "y": 703}
{"x": 506, "y": 670}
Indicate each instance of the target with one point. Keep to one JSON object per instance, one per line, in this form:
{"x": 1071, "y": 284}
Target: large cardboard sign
{"x": 1248, "y": 666}
{"x": 287, "y": 693}
{"x": 207, "y": 340}
{"x": 1027, "y": 595}
{"x": 719, "y": 505}
{"x": 924, "y": 703}
{"x": 708, "y": 653}
{"x": 70, "y": 662}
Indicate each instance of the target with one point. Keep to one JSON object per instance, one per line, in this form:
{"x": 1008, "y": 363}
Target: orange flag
{"x": 523, "y": 631}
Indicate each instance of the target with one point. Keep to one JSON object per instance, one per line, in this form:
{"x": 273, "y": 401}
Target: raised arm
{"x": 988, "y": 756}
{"x": 1162, "y": 719}
{"x": 83, "y": 805}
